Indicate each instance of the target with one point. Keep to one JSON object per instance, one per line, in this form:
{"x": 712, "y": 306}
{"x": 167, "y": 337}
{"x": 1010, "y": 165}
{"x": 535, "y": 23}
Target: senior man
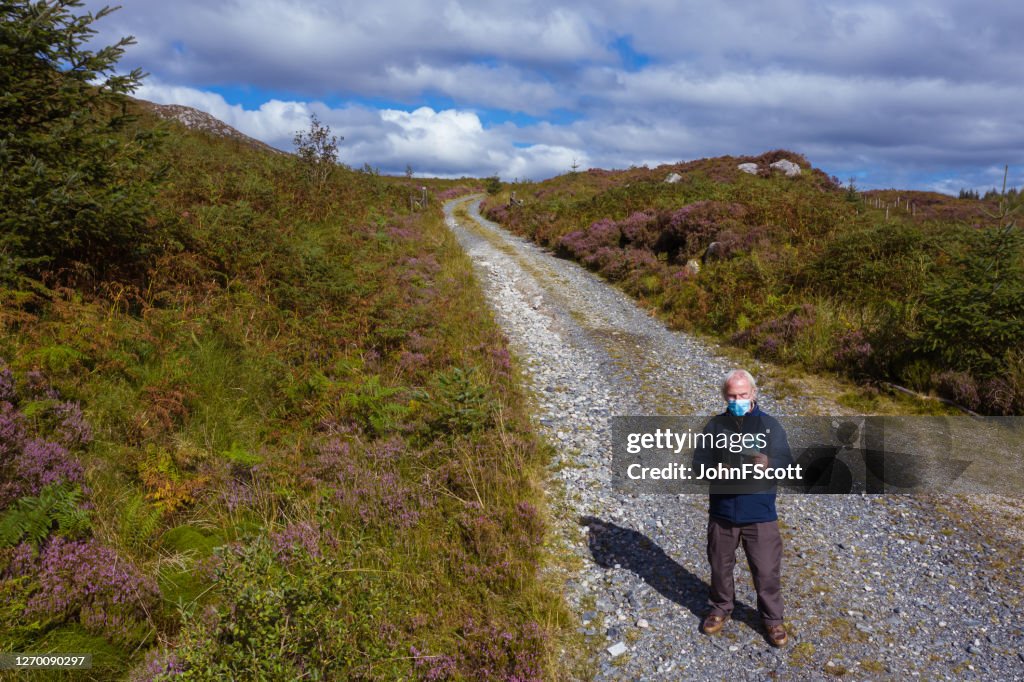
{"x": 749, "y": 518}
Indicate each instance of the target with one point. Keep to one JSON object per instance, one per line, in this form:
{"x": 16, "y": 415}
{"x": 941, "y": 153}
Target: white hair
{"x": 738, "y": 374}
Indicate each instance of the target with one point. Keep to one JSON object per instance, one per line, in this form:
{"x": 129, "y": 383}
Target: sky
{"x": 924, "y": 95}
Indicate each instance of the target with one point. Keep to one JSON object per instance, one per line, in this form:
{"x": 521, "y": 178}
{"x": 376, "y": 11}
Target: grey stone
{"x": 748, "y": 168}
{"x": 617, "y": 649}
{"x": 788, "y": 167}
{"x": 673, "y": 178}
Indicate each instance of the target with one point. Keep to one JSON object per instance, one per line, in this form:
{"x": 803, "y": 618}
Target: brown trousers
{"x": 763, "y": 546}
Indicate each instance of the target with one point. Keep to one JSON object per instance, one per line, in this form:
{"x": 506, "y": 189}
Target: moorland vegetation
{"x": 913, "y": 289}
{"x": 256, "y": 422}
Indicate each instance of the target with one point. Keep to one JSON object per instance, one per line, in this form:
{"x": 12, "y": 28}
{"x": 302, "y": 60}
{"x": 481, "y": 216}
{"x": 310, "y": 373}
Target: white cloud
{"x": 448, "y": 143}
{"x": 455, "y": 143}
{"x": 275, "y": 122}
{"x": 908, "y": 90}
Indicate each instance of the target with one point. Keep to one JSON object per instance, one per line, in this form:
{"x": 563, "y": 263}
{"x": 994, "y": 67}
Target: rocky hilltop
{"x": 200, "y": 120}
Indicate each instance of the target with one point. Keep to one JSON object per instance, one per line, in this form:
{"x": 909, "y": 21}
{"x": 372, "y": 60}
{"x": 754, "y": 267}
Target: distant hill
{"x": 200, "y": 120}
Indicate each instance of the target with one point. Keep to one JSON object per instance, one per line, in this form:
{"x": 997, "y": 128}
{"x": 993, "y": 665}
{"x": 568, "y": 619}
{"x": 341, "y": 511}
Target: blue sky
{"x": 919, "y": 95}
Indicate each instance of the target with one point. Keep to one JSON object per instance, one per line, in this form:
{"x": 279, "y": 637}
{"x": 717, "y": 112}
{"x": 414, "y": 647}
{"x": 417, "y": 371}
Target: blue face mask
{"x": 738, "y": 408}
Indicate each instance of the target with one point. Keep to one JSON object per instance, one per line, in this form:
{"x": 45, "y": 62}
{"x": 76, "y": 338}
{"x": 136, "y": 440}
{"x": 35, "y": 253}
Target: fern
{"x": 137, "y": 521}
{"x": 29, "y": 518}
{"x": 32, "y": 519}
{"x": 72, "y": 519}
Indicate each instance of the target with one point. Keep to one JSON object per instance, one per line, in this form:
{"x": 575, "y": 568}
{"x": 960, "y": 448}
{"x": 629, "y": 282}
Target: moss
{"x": 621, "y": 661}
{"x": 181, "y": 587}
{"x": 14, "y": 593}
{"x": 834, "y": 669}
{"x": 844, "y": 630}
{"x": 190, "y": 541}
{"x": 801, "y": 654}
{"x": 872, "y": 666}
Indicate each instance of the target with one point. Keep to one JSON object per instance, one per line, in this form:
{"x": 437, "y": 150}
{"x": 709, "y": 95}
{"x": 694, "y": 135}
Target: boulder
{"x": 748, "y": 168}
{"x": 692, "y": 267}
{"x": 713, "y": 252}
{"x": 673, "y": 178}
{"x": 788, "y": 167}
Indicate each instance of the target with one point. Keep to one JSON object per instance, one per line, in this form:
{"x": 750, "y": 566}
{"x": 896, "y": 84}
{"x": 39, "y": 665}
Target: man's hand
{"x": 760, "y": 460}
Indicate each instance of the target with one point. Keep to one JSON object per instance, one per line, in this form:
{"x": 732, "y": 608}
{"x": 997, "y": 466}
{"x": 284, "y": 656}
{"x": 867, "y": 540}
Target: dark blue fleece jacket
{"x": 746, "y": 507}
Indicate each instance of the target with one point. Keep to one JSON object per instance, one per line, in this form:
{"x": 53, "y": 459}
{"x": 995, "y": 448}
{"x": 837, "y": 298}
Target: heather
{"x": 302, "y": 415}
{"x": 916, "y": 289}
{"x": 284, "y": 439}
{"x": 53, "y": 571}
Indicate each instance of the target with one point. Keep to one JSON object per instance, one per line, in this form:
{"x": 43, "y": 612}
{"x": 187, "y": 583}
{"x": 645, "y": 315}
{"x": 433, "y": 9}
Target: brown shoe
{"x": 777, "y": 635}
{"x": 713, "y": 623}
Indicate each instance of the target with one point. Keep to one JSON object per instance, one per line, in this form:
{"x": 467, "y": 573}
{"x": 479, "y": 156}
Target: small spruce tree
{"x": 973, "y": 315}
{"x": 75, "y": 182}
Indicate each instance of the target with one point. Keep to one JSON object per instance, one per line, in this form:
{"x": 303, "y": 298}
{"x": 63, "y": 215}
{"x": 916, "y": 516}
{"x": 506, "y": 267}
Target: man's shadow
{"x": 610, "y": 544}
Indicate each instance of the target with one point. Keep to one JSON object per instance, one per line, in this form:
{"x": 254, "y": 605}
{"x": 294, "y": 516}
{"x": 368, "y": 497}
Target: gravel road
{"x": 876, "y": 586}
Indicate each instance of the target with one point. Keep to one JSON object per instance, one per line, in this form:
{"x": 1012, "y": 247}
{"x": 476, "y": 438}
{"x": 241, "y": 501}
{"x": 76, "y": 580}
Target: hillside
{"x": 886, "y": 287}
{"x": 194, "y": 119}
{"x": 281, "y": 436}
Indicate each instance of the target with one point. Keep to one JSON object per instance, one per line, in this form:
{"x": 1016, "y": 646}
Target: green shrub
{"x": 312, "y": 619}
{"x": 492, "y": 184}
{"x": 460, "y": 402}
{"x": 75, "y": 179}
{"x": 973, "y": 313}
